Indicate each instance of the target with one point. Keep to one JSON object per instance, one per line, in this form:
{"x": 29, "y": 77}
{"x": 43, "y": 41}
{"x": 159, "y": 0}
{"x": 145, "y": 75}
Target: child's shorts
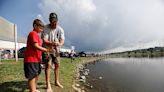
{"x": 31, "y": 70}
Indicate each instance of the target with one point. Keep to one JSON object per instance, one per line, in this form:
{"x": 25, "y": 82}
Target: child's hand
{"x": 50, "y": 50}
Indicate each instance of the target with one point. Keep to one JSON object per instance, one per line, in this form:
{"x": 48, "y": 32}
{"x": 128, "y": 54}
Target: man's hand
{"x": 55, "y": 44}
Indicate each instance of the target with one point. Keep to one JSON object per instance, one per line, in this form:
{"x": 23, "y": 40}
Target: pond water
{"x": 126, "y": 75}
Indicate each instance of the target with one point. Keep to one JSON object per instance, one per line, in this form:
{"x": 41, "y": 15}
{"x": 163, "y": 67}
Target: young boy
{"x": 32, "y": 56}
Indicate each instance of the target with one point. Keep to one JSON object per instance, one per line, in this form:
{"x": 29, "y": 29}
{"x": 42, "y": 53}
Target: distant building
{"x": 10, "y": 45}
{"x": 64, "y": 49}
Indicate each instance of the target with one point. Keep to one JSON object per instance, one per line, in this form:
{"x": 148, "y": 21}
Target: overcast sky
{"x": 95, "y": 25}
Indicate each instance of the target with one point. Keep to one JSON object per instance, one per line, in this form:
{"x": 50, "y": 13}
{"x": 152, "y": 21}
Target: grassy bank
{"x": 12, "y": 75}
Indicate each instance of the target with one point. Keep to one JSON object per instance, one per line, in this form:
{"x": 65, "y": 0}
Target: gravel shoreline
{"x": 81, "y": 69}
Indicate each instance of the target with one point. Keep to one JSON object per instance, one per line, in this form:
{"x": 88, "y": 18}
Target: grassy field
{"x": 12, "y": 76}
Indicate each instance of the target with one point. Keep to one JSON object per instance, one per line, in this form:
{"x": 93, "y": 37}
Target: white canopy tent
{"x": 8, "y": 35}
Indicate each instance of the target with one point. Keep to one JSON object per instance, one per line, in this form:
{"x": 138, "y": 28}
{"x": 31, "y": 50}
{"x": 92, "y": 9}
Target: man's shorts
{"x": 31, "y": 70}
{"x": 50, "y": 57}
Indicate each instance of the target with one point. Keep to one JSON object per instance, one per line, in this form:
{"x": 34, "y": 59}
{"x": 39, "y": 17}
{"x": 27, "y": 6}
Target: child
{"x": 32, "y": 56}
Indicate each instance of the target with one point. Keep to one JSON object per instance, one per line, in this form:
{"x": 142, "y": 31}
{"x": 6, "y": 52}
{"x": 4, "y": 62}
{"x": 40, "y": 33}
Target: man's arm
{"x": 61, "y": 42}
{"x": 61, "y": 37}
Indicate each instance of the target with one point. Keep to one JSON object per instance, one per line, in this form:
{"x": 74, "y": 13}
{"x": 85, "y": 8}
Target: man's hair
{"x": 38, "y": 22}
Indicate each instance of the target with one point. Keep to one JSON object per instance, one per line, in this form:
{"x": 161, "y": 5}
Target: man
{"x": 72, "y": 55}
{"x": 53, "y": 37}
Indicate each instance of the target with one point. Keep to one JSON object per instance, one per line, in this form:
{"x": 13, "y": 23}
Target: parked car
{"x": 76, "y": 55}
{"x": 6, "y": 54}
{"x": 64, "y": 54}
{"x": 82, "y": 54}
{"x": 21, "y": 52}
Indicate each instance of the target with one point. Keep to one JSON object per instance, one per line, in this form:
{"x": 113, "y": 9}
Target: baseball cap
{"x": 53, "y": 16}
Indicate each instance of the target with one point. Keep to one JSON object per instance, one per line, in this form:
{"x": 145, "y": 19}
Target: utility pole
{"x": 15, "y": 38}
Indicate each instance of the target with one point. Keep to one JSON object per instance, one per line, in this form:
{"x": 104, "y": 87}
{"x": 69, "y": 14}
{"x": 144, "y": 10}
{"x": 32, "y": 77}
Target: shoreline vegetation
{"x": 12, "y": 75}
{"x": 140, "y": 53}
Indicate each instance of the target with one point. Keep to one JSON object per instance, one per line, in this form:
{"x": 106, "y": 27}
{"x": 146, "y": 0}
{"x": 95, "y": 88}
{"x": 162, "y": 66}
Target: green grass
{"x": 12, "y": 76}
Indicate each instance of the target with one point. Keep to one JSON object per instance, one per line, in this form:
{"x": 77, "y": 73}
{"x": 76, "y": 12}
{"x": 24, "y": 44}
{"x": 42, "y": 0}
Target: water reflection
{"x": 127, "y": 75}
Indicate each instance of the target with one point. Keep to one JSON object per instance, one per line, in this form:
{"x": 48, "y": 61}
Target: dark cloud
{"x": 99, "y": 25}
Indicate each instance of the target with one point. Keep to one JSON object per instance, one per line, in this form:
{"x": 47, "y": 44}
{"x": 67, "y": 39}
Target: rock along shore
{"x": 81, "y": 72}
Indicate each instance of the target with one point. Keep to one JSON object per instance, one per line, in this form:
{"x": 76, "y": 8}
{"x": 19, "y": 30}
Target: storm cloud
{"x": 108, "y": 25}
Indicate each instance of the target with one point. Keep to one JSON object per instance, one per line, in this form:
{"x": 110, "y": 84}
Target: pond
{"x": 126, "y": 75}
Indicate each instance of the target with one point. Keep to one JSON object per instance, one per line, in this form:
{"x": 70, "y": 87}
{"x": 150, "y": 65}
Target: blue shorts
{"x": 31, "y": 70}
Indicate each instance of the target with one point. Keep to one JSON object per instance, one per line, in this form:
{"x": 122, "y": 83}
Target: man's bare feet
{"x": 49, "y": 90}
{"x": 37, "y": 91}
{"x": 59, "y": 85}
